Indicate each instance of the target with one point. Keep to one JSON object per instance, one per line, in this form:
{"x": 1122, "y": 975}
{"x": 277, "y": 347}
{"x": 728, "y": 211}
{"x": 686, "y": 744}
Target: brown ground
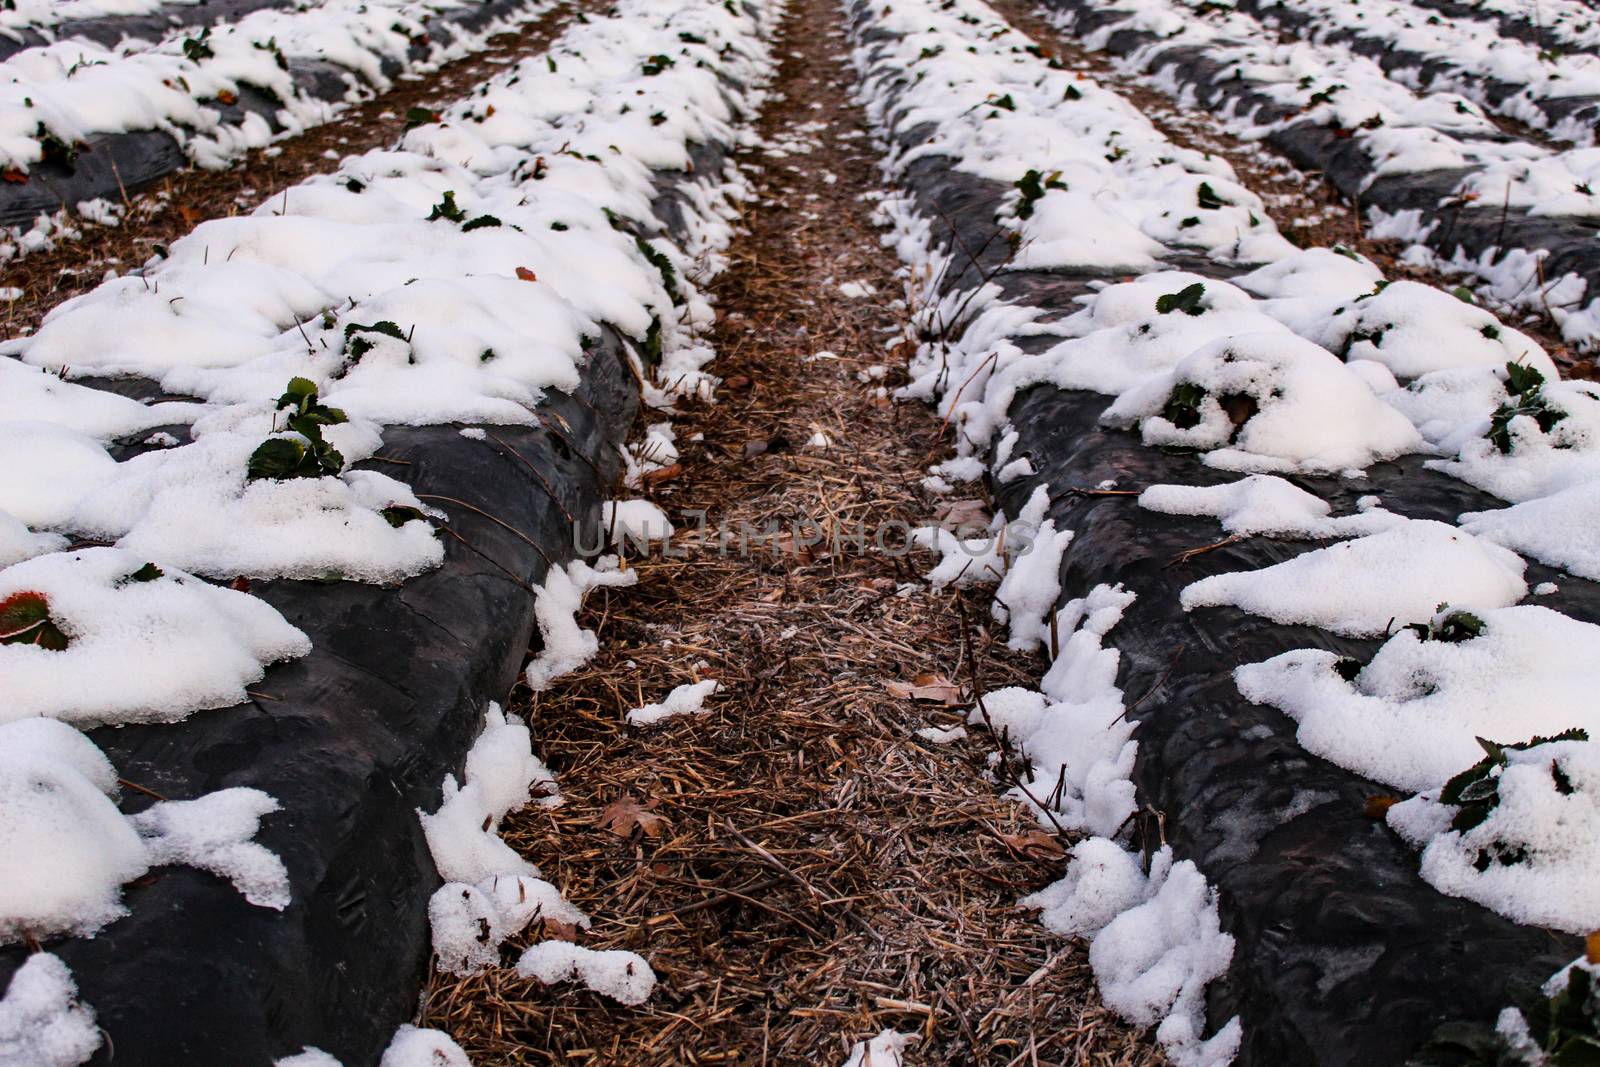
{"x": 822, "y": 873}
{"x": 176, "y": 204}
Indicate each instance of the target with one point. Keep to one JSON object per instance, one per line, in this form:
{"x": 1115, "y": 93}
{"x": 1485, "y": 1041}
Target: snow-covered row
{"x": 217, "y": 93}
{"x": 57, "y": 96}
{"x": 41, "y": 16}
{"x": 1293, "y": 368}
{"x": 1550, "y": 91}
{"x": 456, "y": 278}
{"x": 1097, "y": 187}
{"x": 1431, "y": 170}
{"x": 1555, "y": 25}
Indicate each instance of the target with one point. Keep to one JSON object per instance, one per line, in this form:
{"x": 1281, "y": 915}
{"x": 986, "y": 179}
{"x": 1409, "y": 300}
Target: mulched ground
{"x": 799, "y": 867}
{"x": 175, "y": 205}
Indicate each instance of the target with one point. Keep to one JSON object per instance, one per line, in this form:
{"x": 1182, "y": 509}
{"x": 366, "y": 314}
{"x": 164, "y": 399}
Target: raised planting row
{"x": 279, "y": 607}
{"x": 1555, "y": 92}
{"x": 1430, "y": 170}
{"x": 26, "y": 23}
{"x": 87, "y": 124}
{"x": 1554, "y": 25}
{"x": 1253, "y": 508}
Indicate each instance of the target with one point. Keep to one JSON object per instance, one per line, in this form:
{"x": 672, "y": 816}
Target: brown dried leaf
{"x": 663, "y": 474}
{"x": 928, "y": 688}
{"x": 527, "y": 275}
{"x": 623, "y": 817}
{"x": 958, "y": 513}
{"x": 1377, "y": 807}
{"x": 1036, "y": 843}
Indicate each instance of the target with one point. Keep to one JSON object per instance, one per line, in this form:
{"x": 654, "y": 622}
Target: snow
{"x": 1413, "y": 329}
{"x": 1155, "y": 941}
{"x": 1028, "y": 592}
{"x": 471, "y": 922}
{"x": 76, "y": 88}
{"x": 501, "y": 773}
{"x": 310, "y": 1056}
{"x": 1362, "y": 586}
{"x": 1557, "y": 529}
{"x": 139, "y": 650}
{"x": 418, "y": 1047}
{"x": 963, "y": 561}
{"x": 624, "y": 977}
{"x": 1310, "y": 412}
{"x": 683, "y": 700}
{"x": 70, "y": 850}
{"x": 1266, "y": 504}
{"x": 1411, "y": 717}
{"x": 490, "y": 893}
{"x": 566, "y": 646}
{"x": 636, "y": 522}
{"x": 1536, "y": 847}
{"x": 214, "y": 833}
{"x": 1540, "y": 463}
{"x": 887, "y": 1049}
{"x": 67, "y": 848}
{"x": 18, "y": 543}
{"x": 1153, "y": 962}
{"x": 189, "y": 507}
{"x": 42, "y": 1021}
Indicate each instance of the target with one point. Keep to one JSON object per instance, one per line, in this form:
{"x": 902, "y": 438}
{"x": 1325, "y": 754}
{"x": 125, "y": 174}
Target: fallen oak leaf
{"x": 527, "y": 275}
{"x": 622, "y": 817}
{"x": 1035, "y": 843}
{"x": 928, "y": 688}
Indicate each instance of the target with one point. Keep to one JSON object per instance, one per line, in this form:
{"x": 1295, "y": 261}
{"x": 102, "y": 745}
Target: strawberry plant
{"x": 1186, "y": 300}
{"x": 25, "y": 620}
{"x": 1182, "y": 408}
{"x": 658, "y": 260}
{"x": 1208, "y": 198}
{"x": 199, "y": 47}
{"x": 1032, "y": 186}
{"x": 1475, "y": 792}
{"x": 301, "y": 453}
{"x": 1448, "y": 626}
{"x": 450, "y": 211}
{"x": 1564, "y": 1029}
{"x": 356, "y": 346}
{"x": 1524, "y": 396}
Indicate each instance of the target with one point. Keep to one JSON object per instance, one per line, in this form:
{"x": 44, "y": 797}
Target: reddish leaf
{"x": 664, "y": 474}
{"x": 527, "y": 275}
{"x": 25, "y": 620}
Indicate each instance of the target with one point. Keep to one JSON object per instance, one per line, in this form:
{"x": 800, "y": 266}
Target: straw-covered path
{"x": 801, "y": 869}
